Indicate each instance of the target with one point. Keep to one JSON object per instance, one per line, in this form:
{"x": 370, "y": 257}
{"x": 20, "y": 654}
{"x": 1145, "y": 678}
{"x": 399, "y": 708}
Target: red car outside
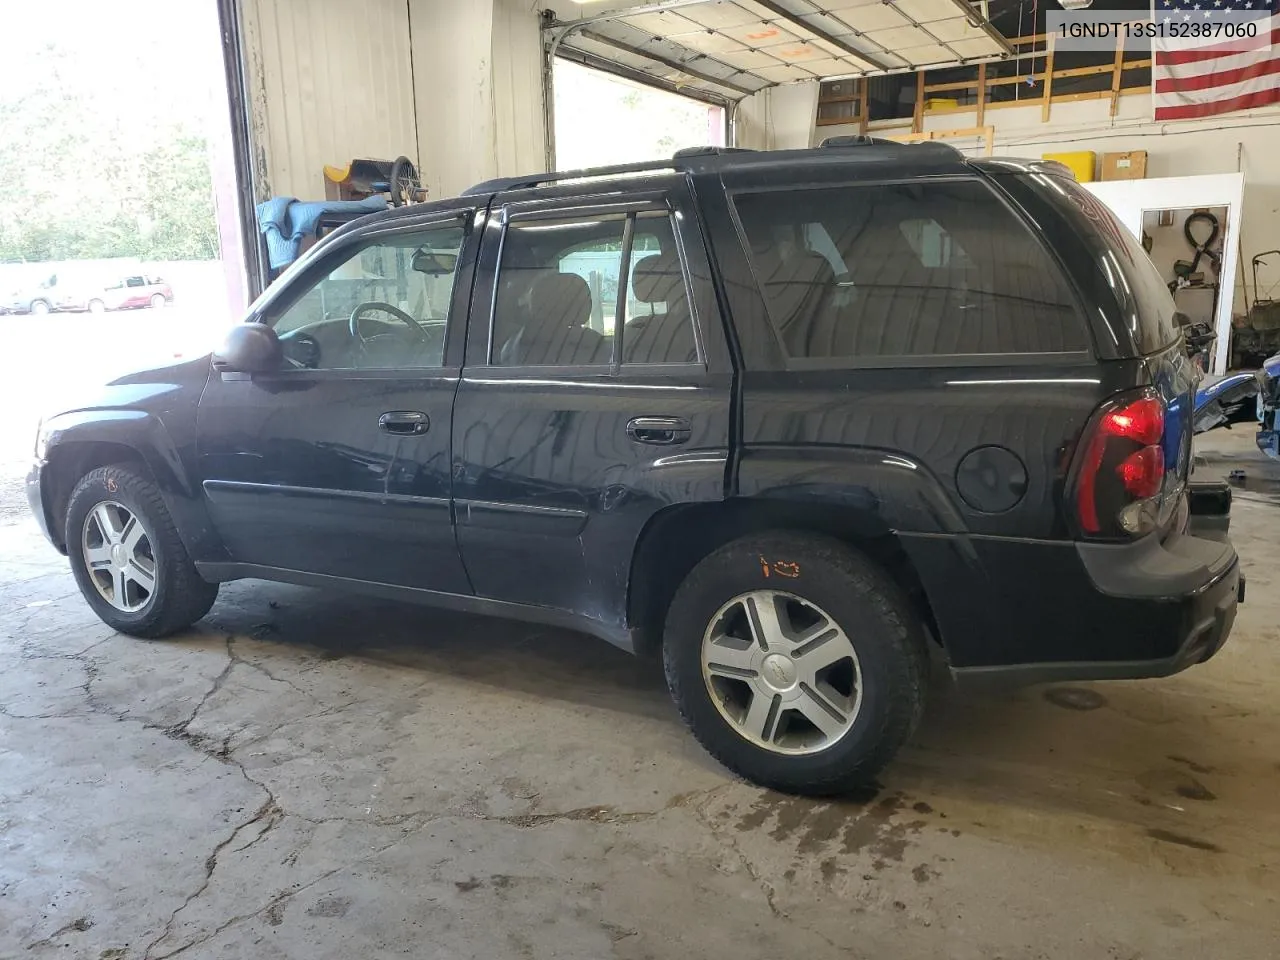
{"x": 133, "y": 292}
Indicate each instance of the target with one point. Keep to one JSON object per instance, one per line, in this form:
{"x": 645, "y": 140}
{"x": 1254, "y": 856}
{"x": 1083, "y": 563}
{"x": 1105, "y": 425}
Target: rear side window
{"x": 905, "y": 270}
{"x": 592, "y": 292}
{"x": 1150, "y": 304}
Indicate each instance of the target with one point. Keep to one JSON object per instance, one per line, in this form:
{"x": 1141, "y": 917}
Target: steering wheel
{"x": 379, "y": 306}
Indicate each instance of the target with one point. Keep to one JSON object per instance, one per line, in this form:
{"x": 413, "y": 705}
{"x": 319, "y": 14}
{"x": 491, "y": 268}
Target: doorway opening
{"x": 603, "y": 120}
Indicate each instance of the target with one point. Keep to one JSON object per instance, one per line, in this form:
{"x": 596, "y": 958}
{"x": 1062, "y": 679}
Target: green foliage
{"x": 88, "y": 174}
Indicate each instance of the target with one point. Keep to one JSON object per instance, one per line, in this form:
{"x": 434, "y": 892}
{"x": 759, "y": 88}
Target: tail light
{"x": 1120, "y": 472}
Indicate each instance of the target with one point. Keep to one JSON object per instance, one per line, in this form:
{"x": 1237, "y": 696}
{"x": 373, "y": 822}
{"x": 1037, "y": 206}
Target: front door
{"x": 339, "y": 464}
{"x": 596, "y": 393}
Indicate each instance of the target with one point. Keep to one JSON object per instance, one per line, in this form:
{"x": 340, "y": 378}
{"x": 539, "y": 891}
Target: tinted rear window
{"x": 1139, "y": 289}
{"x": 941, "y": 268}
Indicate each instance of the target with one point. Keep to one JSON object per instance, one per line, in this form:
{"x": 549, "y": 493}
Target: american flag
{"x": 1218, "y": 77}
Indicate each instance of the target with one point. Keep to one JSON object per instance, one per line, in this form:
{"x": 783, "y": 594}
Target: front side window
{"x": 905, "y": 270}
{"x": 385, "y": 306}
{"x": 569, "y": 293}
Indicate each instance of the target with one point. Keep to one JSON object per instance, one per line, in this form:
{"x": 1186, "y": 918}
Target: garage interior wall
{"x": 456, "y": 87}
{"x": 478, "y": 75}
{"x": 1245, "y": 143}
{"x": 777, "y": 118}
{"x": 328, "y": 82}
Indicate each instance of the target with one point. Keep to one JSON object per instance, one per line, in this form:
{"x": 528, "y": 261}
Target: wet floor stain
{"x": 1168, "y": 836}
{"x": 923, "y": 873}
{"x": 1195, "y": 790}
{"x": 1075, "y": 698}
{"x": 874, "y": 829}
{"x": 1191, "y": 764}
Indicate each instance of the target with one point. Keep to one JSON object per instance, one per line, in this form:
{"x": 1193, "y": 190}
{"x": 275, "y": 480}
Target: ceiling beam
{"x": 658, "y": 7}
{"x": 795, "y": 20}
{"x": 977, "y": 20}
{"x": 575, "y": 55}
{"x": 676, "y": 64}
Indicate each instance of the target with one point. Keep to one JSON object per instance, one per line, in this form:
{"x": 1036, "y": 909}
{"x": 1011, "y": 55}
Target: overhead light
{"x": 1075, "y": 4}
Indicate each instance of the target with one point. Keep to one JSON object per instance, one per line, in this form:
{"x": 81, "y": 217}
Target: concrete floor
{"x": 318, "y": 776}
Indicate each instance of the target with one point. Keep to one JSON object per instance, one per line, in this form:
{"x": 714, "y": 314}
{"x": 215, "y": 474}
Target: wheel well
{"x": 677, "y": 538}
{"x": 68, "y": 463}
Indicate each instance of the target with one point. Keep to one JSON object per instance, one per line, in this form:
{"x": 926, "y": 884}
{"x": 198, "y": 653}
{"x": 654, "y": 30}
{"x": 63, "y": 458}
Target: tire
{"x": 39, "y": 307}
{"x": 880, "y": 689}
{"x": 178, "y": 596}
{"x": 97, "y": 306}
{"x": 157, "y": 301}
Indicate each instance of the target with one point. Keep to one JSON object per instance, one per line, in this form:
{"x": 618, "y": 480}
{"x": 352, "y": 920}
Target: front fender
{"x": 73, "y": 443}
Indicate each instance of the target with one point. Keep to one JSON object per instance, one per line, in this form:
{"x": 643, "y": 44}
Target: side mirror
{"x": 250, "y": 348}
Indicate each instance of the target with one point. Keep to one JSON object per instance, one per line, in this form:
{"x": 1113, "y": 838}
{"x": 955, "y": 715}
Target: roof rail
{"x": 861, "y": 140}
{"x": 536, "y": 180}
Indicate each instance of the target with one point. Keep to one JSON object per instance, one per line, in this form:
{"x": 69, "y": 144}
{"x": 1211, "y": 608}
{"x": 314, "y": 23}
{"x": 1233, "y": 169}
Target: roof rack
{"x": 693, "y": 158}
{"x": 537, "y": 180}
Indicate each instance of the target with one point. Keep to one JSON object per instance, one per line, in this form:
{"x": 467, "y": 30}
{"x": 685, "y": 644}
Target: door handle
{"x": 404, "y": 423}
{"x": 663, "y": 431}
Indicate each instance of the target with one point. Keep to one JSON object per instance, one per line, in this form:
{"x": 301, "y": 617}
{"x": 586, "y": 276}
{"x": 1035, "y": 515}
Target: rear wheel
{"x": 97, "y": 306}
{"x": 127, "y": 558}
{"x": 40, "y": 307}
{"x": 796, "y": 662}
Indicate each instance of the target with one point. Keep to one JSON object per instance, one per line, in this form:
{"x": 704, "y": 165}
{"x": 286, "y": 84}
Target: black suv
{"x": 786, "y": 418}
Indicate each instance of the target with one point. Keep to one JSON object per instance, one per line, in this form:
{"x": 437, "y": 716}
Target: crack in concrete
{"x": 270, "y": 814}
{"x": 211, "y": 864}
{"x": 766, "y": 888}
{"x": 278, "y": 899}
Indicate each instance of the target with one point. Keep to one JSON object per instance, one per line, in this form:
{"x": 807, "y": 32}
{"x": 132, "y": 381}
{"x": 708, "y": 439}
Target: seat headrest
{"x": 561, "y": 299}
{"x": 655, "y": 277}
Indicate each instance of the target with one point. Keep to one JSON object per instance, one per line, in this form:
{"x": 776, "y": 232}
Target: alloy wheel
{"x": 782, "y": 672}
{"x": 119, "y": 556}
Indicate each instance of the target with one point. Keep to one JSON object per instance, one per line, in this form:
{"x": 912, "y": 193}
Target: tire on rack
{"x": 127, "y": 558}
{"x": 796, "y": 662}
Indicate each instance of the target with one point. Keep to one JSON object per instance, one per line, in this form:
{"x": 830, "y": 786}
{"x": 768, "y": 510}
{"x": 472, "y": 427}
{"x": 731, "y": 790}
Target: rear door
{"x": 596, "y": 392}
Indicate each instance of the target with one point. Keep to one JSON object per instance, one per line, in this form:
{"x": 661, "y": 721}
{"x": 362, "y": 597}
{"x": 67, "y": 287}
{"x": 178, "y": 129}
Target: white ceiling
{"x": 727, "y": 49}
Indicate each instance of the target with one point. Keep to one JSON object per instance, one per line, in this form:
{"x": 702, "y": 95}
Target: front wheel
{"x": 97, "y": 306}
{"x": 127, "y": 558}
{"x": 40, "y": 308}
{"x": 157, "y": 301}
{"x": 796, "y": 662}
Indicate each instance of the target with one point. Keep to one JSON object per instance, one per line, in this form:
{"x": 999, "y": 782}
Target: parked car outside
{"x": 132, "y": 293}
{"x": 38, "y": 298}
{"x": 787, "y": 420}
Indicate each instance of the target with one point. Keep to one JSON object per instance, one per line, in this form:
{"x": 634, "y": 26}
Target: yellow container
{"x": 1081, "y": 162}
{"x": 941, "y": 103}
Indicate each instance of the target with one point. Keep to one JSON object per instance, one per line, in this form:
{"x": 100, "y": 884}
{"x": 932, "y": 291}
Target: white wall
{"x": 477, "y": 69}
{"x": 778, "y": 118}
{"x": 329, "y": 81}
{"x": 455, "y": 85}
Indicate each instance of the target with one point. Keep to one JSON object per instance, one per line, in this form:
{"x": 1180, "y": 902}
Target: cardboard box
{"x": 1124, "y": 166}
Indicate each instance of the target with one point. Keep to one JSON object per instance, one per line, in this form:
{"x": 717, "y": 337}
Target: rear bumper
{"x": 1174, "y": 598}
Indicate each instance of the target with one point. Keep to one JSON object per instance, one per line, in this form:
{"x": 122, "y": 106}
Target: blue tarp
{"x": 286, "y": 222}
